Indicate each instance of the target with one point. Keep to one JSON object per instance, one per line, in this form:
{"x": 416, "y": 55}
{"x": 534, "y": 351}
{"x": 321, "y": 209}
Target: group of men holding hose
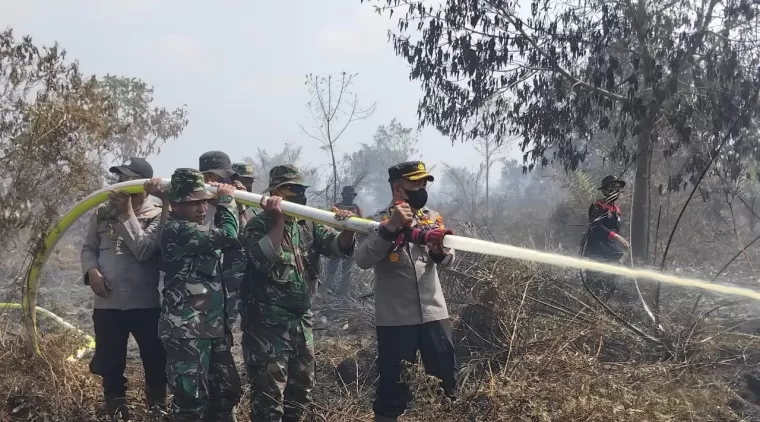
{"x": 221, "y": 260}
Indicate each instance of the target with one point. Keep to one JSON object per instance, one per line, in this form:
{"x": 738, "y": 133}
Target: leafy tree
{"x": 391, "y": 144}
{"x": 333, "y": 106}
{"x": 143, "y": 127}
{"x": 674, "y": 73}
{"x": 264, "y": 161}
{"x": 55, "y": 127}
{"x": 464, "y": 189}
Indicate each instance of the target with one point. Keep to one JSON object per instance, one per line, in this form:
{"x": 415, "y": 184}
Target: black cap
{"x": 348, "y": 190}
{"x": 134, "y": 167}
{"x": 610, "y": 180}
{"x": 410, "y": 170}
{"x": 216, "y": 162}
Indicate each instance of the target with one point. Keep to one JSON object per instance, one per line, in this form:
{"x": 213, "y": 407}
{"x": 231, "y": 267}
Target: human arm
{"x": 142, "y": 243}
{"x": 89, "y": 257}
{"x": 375, "y": 246}
{"x": 90, "y": 247}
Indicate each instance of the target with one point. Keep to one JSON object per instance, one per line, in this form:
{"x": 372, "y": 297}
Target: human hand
{"x": 402, "y": 215}
{"x": 271, "y": 205}
{"x": 122, "y": 201}
{"x": 223, "y": 189}
{"x": 341, "y": 215}
{"x": 154, "y": 187}
{"x": 98, "y": 283}
{"x": 624, "y": 243}
{"x": 239, "y": 185}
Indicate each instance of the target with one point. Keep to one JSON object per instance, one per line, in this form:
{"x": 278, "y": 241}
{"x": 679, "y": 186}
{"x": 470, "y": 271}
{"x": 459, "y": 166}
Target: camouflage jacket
{"x": 234, "y": 263}
{"x": 194, "y": 300}
{"x": 280, "y": 282}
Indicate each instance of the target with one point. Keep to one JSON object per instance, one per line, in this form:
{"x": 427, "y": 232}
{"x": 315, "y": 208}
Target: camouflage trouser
{"x": 203, "y": 378}
{"x": 345, "y": 274}
{"x": 279, "y": 358}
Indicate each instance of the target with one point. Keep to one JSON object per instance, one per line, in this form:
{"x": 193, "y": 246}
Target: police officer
{"x": 603, "y": 241}
{"x": 194, "y": 323}
{"x": 120, "y": 261}
{"x": 347, "y": 203}
{"x": 410, "y": 310}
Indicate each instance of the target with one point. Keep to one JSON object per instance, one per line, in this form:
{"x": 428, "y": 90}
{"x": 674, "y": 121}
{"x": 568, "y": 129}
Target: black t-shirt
{"x": 604, "y": 222}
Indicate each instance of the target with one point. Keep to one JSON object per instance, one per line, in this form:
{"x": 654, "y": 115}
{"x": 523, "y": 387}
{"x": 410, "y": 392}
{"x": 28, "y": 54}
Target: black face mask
{"x": 416, "y": 198}
{"x": 299, "y": 199}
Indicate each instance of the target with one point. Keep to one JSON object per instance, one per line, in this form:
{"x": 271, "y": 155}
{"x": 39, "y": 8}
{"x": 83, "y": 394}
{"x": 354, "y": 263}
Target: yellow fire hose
{"x": 360, "y": 226}
{"x": 60, "y": 321}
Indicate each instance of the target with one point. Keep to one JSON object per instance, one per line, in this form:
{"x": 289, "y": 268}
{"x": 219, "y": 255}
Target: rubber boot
{"x": 381, "y": 418}
{"x": 156, "y": 400}
{"x": 117, "y": 409}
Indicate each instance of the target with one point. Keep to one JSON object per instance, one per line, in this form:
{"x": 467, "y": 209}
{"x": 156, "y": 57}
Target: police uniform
{"x": 410, "y": 310}
{"x": 348, "y": 193}
{"x": 126, "y": 252}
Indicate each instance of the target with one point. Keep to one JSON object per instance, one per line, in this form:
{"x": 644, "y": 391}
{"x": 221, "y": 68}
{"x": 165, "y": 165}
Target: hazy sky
{"x": 239, "y": 66}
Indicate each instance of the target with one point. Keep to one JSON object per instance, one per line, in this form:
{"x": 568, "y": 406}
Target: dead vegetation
{"x": 532, "y": 346}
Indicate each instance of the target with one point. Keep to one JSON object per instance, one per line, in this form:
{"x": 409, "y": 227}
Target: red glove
{"x": 435, "y": 236}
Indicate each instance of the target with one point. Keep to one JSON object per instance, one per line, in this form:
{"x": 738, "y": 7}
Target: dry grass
{"x": 535, "y": 347}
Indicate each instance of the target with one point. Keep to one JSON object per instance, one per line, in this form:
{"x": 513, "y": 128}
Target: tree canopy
{"x": 674, "y": 73}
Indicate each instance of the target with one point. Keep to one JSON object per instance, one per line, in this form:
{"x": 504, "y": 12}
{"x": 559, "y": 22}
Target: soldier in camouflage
{"x": 193, "y": 325}
{"x": 246, "y": 177}
{"x": 347, "y": 203}
{"x": 278, "y": 344}
{"x": 217, "y": 167}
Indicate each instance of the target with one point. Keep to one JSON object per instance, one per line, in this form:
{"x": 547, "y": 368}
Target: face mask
{"x": 299, "y": 199}
{"x": 416, "y": 198}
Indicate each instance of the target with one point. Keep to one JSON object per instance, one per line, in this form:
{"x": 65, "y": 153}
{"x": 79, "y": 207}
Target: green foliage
{"x": 367, "y": 168}
{"x": 142, "y": 127}
{"x": 567, "y": 70}
{"x": 56, "y": 125}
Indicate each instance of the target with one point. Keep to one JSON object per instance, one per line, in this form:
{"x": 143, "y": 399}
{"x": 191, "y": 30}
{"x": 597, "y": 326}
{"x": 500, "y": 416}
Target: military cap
{"x": 610, "y": 180}
{"x": 287, "y": 174}
{"x": 410, "y": 170}
{"x": 134, "y": 167}
{"x": 244, "y": 170}
{"x": 216, "y": 162}
{"x": 187, "y": 185}
{"x": 348, "y": 190}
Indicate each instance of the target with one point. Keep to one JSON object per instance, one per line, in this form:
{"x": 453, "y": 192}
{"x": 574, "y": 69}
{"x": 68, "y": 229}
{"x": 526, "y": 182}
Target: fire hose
{"x": 357, "y": 225}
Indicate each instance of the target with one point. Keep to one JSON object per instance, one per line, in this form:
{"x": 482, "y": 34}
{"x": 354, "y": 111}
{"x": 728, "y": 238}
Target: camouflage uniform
{"x": 233, "y": 258}
{"x": 244, "y": 171}
{"x": 278, "y": 344}
{"x": 193, "y": 324}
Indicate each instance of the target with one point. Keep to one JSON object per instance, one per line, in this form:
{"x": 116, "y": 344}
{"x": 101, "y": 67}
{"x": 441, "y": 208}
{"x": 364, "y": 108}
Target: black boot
{"x": 117, "y": 409}
{"x": 155, "y": 397}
